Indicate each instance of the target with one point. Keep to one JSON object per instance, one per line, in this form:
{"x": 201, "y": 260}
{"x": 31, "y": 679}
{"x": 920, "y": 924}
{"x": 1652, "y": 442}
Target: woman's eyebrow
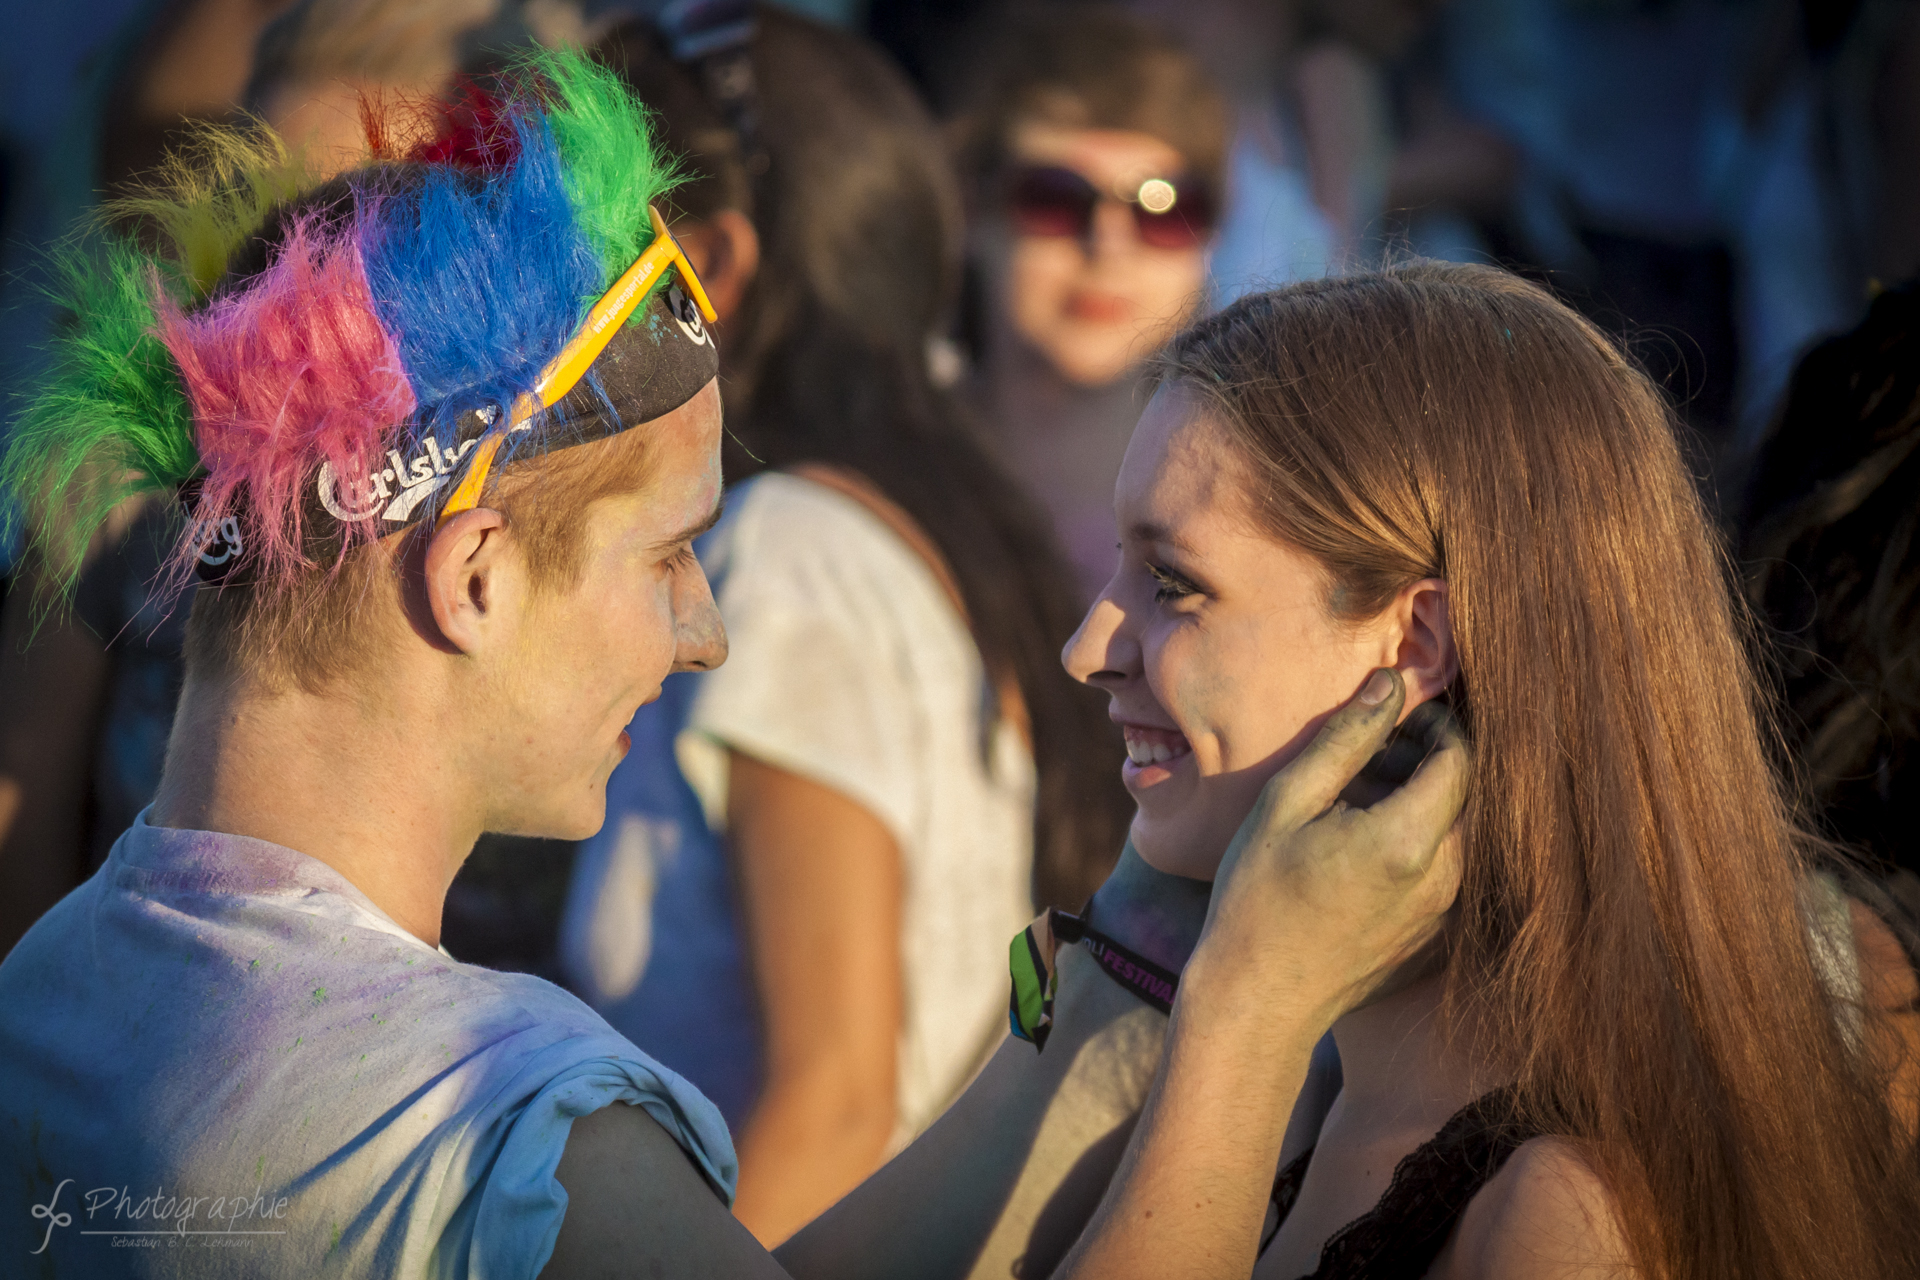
{"x": 1152, "y": 531}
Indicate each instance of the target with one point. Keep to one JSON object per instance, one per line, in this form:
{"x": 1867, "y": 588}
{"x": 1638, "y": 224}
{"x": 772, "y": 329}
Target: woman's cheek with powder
{"x": 1247, "y": 688}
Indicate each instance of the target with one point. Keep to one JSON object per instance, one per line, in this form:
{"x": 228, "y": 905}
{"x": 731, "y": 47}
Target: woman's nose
{"x": 1102, "y": 653}
{"x": 1112, "y": 233}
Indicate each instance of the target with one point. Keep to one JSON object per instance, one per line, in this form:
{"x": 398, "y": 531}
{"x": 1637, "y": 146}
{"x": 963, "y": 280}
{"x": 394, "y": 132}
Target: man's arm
{"x": 636, "y": 1206}
{"x": 1019, "y": 1161}
{"x": 1016, "y": 1165}
{"x": 1009, "y": 1176}
{"x": 1012, "y": 1170}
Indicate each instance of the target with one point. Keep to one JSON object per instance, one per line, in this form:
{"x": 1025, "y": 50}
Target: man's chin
{"x": 587, "y": 824}
{"x": 581, "y": 823}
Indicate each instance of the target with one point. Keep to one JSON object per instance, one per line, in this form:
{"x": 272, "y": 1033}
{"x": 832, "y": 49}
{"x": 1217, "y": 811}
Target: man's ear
{"x": 1426, "y": 657}
{"x": 467, "y": 578}
{"x": 725, "y": 253}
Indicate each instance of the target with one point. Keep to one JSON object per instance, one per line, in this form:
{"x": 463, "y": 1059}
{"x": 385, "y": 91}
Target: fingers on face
{"x": 1343, "y": 746}
{"x": 1444, "y": 875}
{"x": 1419, "y": 817}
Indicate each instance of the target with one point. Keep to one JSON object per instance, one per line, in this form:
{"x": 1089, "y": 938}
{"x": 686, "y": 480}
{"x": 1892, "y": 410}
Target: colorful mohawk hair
{"x": 308, "y": 364}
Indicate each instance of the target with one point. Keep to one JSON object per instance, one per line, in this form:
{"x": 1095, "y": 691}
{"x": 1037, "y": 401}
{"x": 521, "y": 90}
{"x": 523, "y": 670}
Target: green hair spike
{"x": 111, "y": 420}
{"x": 614, "y": 166}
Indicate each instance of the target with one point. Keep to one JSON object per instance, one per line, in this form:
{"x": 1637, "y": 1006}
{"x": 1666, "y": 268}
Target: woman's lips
{"x": 1152, "y": 754}
{"x": 626, "y": 743}
{"x": 1093, "y": 307}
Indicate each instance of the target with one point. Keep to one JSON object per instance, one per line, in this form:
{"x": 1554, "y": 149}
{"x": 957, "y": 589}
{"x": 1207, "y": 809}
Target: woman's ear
{"x": 725, "y": 253}
{"x": 1426, "y": 657}
{"x": 466, "y": 579}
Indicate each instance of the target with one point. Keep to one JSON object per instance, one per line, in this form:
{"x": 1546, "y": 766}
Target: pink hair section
{"x": 294, "y": 371}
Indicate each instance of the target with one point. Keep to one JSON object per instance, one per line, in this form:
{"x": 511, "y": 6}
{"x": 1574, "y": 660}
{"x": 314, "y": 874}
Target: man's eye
{"x": 1171, "y": 585}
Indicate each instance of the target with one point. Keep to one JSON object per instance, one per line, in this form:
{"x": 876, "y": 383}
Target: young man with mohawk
{"x": 443, "y": 431}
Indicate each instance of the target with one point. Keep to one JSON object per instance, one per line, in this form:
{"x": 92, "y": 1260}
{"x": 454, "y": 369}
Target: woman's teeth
{"x": 1153, "y": 746}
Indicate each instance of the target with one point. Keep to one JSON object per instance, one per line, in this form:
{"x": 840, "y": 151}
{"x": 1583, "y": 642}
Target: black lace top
{"x": 1399, "y": 1238}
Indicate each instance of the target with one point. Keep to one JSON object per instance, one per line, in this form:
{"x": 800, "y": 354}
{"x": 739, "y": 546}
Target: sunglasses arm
{"x": 565, "y": 370}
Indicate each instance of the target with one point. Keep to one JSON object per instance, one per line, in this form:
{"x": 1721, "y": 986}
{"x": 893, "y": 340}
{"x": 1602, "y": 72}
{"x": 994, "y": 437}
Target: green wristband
{"x": 1030, "y": 1008}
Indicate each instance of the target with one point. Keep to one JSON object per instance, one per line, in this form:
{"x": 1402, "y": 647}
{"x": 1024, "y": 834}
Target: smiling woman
{"x": 1442, "y": 470}
{"x": 1211, "y": 594}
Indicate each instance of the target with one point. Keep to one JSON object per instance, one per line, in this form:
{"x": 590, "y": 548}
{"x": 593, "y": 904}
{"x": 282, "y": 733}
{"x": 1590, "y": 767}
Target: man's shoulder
{"x": 513, "y": 1003}
{"x": 273, "y": 988}
{"x": 380, "y": 1097}
{"x": 349, "y": 980}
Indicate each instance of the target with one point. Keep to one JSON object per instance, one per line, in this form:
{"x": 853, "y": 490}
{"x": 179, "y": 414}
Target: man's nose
{"x": 700, "y": 637}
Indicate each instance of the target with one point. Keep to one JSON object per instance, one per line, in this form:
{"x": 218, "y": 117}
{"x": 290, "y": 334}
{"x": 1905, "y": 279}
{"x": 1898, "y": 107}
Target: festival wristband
{"x": 1036, "y": 979}
{"x": 1122, "y": 963}
{"x": 1030, "y": 959}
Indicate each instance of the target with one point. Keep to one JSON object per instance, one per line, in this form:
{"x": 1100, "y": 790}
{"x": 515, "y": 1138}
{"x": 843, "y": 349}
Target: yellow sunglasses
{"x": 565, "y": 370}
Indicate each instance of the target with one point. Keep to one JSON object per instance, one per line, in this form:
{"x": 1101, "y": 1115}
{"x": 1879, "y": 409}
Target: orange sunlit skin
{"x": 565, "y": 370}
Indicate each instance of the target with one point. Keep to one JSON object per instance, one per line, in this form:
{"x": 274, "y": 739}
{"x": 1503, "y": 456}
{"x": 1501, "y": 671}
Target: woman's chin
{"x": 1091, "y": 355}
{"x": 1164, "y": 847}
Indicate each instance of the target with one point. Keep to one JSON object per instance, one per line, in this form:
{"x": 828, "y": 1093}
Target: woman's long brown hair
{"x": 1632, "y": 947}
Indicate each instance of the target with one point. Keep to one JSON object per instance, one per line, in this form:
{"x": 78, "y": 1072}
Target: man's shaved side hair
{"x": 336, "y": 619}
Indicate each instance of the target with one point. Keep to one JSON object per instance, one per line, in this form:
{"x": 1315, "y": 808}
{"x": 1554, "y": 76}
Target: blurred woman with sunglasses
{"x": 1097, "y": 149}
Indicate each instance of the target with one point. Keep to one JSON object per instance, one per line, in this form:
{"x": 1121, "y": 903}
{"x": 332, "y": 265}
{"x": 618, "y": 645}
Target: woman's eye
{"x": 1171, "y": 585}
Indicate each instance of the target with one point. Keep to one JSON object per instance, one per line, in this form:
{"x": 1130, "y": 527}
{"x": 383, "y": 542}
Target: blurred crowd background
{"x": 946, "y": 238}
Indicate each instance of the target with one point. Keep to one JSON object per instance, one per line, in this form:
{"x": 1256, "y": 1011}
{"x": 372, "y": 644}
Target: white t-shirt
{"x": 848, "y": 665}
{"x": 217, "y": 1057}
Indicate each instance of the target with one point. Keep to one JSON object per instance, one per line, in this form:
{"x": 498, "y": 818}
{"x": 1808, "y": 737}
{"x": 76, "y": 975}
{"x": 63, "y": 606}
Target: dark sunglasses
{"x": 1045, "y": 200}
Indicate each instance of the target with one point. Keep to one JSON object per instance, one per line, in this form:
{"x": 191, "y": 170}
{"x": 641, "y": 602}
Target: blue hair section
{"x": 480, "y": 278}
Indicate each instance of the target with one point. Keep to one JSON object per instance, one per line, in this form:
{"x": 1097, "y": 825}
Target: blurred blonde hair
{"x": 331, "y": 66}
{"x": 400, "y": 42}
